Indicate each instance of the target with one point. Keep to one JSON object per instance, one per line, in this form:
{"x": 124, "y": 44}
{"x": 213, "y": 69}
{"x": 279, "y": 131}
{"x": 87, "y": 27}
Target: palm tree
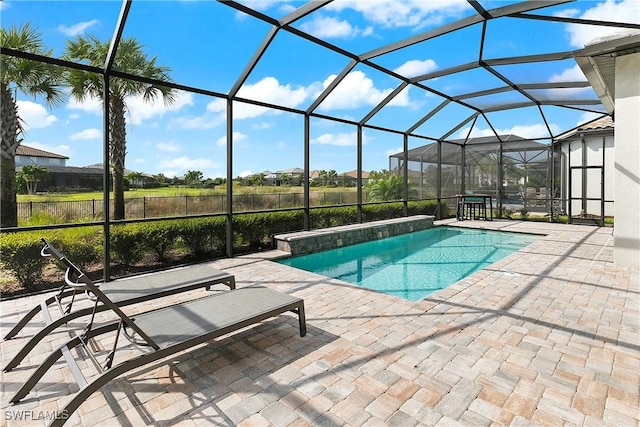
{"x": 32, "y": 174}
{"x": 29, "y": 77}
{"x": 131, "y": 59}
{"x": 285, "y": 178}
{"x": 388, "y": 188}
{"x": 193, "y": 178}
{"x": 324, "y": 175}
{"x": 332, "y": 175}
{"x": 257, "y": 179}
{"x": 136, "y": 179}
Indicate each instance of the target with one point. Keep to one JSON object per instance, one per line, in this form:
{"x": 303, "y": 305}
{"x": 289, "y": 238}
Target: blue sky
{"x": 207, "y": 44}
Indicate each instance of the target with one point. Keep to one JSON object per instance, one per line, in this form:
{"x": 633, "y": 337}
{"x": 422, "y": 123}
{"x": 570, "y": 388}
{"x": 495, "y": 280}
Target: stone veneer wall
{"x": 335, "y": 237}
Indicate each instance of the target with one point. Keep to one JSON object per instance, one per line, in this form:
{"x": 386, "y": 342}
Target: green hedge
{"x": 21, "y": 257}
{"x": 200, "y": 238}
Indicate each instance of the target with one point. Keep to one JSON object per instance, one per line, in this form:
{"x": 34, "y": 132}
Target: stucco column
{"x": 627, "y": 162}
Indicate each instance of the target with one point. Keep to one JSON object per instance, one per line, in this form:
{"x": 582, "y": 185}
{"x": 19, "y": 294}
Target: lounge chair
{"x": 122, "y": 292}
{"x": 163, "y": 331}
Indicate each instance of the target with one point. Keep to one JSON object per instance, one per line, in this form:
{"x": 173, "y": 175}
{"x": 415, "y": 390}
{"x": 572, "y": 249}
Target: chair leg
{"x": 103, "y": 379}
{"x": 302, "y": 320}
{"x": 35, "y": 310}
{"x": 54, "y": 356}
{"x": 44, "y": 332}
{"x": 25, "y": 319}
{"x": 42, "y": 369}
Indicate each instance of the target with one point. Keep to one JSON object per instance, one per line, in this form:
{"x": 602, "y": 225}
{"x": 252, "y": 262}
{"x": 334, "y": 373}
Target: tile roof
{"x": 23, "y": 150}
{"x": 596, "y": 125}
{"x": 603, "y": 123}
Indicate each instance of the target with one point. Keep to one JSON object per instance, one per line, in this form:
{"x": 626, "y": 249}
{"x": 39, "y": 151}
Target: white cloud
{"x": 281, "y": 144}
{"x": 262, "y": 126}
{"x": 567, "y": 13}
{"x": 270, "y": 90}
{"x": 340, "y": 139}
{"x": 34, "y": 116}
{"x": 237, "y": 137}
{"x": 92, "y": 133}
{"x": 533, "y": 131}
{"x": 90, "y": 104}
{"x": 76, "y": 29}
{"x": 569, "y": 75}
{"x": 402, "y": 100}
{"x": 267, "y": 90}
{"x": 242, "y": 110}
{"x": 330, "y": 27}
{"x": 170, "y": 174}
{"x": 609, "y": 10}
{"x": 185, "y": 163}
{"x": 206, "y": 121}
{"x": 245, "y": 173}
{"x": 587, "y": 116}
{"x": 403, "y": 13}
{"x": 416, "y": 67}
{"x": 357, "y": 90}
{"x": 218, "y": 105}
{"x": 140, "y": 110}
{"x": 170, "y": 146}
{"x": 263, "y": 5}
{"x": 393, "y": 151}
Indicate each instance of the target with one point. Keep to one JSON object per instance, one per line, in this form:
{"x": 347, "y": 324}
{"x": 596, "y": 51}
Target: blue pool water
{"x": 414, "y": 265}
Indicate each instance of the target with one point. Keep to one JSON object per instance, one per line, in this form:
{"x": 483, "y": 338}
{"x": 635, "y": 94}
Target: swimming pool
{"x": 414, "y": 265}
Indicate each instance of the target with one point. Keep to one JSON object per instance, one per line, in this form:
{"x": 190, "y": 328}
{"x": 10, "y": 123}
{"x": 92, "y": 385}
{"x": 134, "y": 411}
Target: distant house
{"x": 60, "y": 175}
{"x": 345, "y": 178}
{"x": 351, "y": 178}
{"x": 295, "y": 176}
{"x": 63, "y": 177}
{"x": 33, "y": 156}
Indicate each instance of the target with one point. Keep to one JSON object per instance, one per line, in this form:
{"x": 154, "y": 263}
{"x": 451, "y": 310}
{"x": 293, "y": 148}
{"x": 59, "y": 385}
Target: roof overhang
{"x": 597, "y": 61}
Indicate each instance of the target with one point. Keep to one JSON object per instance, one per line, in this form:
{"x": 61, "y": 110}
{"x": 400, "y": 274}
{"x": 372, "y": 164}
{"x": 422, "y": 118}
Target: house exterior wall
{"x": 627, "y": 162}
{"x": 588, "y": 149}
{"x": 40, "y": 161}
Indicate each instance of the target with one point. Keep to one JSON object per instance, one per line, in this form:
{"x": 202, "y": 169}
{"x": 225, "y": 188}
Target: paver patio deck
{"x": 547, "y": 336}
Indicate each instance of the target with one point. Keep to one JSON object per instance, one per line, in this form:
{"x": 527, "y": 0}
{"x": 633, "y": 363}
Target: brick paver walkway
{"x": 547, "y": 336}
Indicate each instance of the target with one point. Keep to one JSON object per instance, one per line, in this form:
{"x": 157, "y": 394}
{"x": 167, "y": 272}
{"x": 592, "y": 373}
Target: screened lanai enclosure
{"x": 515, "y": 172}
{"x": 451, "y": 98}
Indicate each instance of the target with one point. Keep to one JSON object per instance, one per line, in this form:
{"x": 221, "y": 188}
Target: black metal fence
{"x": 158, "y": 207}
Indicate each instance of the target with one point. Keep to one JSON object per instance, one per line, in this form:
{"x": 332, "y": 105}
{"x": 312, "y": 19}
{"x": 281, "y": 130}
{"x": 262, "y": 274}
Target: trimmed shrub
{"x": 251, "y": 229}
{"x": 82, "y": 246}
{"x": 333, "y": 217}
{"x": 426, "y": 207}
{"x": 127, "y": 244}
{"x": 159, "y": 237}
{"x": 382, "y": 211}
{"x": 202, "y": 236}
{"x": 21, "y": 256}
